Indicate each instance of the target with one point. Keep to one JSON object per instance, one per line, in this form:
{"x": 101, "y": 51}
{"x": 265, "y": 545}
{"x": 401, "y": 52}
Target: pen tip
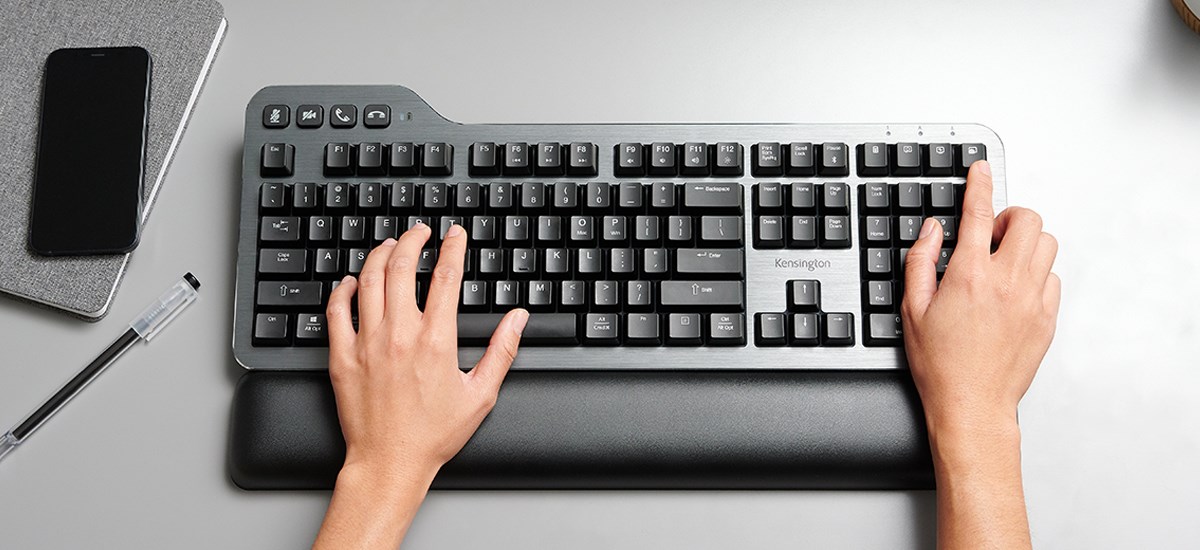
{"x": 192, "y": 280}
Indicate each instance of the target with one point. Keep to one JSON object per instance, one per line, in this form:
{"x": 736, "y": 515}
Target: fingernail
{"x": 454, "y": 231}
{"x": 984, "y": 166}
{"x": 519, "y": 321}
{"x": 927, "y": 228}
{"x": 347, "y": 279}
{"x": 388, "y": 242}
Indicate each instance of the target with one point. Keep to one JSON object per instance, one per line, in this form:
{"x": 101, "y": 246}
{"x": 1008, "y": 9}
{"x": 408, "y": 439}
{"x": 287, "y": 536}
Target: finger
{"x": 1016, "y": 233}
{"x": 337, "y": 313}
{"x": 1052, "y": 295}
{"x": 371, "y": 282}
{"x": 975, "y": 230}
{"x": 501, "y": 350}
{"x": 402, "y": 273}
{"x": 920, "y": 268}
{"x": 1043, "y": 256}
{"x": 441, "y": 307}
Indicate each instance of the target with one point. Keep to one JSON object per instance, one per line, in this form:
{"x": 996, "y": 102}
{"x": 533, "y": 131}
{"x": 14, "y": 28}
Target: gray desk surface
{"x": 1097, "y": 102}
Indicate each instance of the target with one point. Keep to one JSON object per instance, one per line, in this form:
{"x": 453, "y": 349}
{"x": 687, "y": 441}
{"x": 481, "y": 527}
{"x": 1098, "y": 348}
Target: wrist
{"x": 968, "y": 439}
{"x": 393, "y": 480}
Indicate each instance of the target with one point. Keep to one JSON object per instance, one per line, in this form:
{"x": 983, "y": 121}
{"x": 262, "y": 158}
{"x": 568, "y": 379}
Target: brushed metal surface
{"x": 415, "y": 121}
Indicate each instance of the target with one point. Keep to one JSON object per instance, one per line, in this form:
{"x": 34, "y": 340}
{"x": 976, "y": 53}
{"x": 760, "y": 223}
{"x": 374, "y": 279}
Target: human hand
{"x": 405, "y": 407}
{"x": 975, "y": 341}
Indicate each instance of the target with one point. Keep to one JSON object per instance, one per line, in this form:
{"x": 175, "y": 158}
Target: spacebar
{"x": 543, "y": 329}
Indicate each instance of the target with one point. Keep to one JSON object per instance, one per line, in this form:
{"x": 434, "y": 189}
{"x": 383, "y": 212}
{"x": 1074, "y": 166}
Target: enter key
{"x": 709, "y": 261}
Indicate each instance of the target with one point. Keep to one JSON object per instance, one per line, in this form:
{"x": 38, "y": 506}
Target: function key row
{"x": 727, "y": 159}
{"x": 541, "y": 159}
{"x": 397, "y": 159}
{"x": 918, "y": 159}
{"x": 313, "y": 116}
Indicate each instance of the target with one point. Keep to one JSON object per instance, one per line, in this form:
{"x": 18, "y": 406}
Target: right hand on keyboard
{"x": 974, "y": 343}
{"x": 405, "y": 407}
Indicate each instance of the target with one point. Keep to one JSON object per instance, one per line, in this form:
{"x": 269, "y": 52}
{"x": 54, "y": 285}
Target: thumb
{"x": 920, "y": 268}
{"x": 502, "y": 349}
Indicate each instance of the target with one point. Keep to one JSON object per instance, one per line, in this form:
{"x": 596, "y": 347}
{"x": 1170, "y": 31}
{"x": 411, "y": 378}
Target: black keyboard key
{"x": 968, "y": 153}
{"x": 402, "y": 159}
{"x": 524, "y": 262}
{"x": 695, "y": 159}
{"x": 542, "y": 329}
{"x": 804, "y": 198}
{"x": 643, "y": 329}
{"x": 276, "y": 116}
{"x": 908, "y": 229}
{"x": 540, "y": 296}
{"x": 483, "y": 160}
{"x": 835, "y": 160}
{"x": 907, "y": 161}
{"x": 474, "y": 296}
{"x": 710, "y": 295}
{"x": 272, "y": 196}
{"x": 483, "y": 229}
{"x": 549, "y": 230}
{"x": 721, "y": 229}
{"x": 769, "y": 329}
{"x": 320, "y": 228}
{"x": 565, "y": 195}
{"x": 908, "y": 197}
{"x": 878, "y": 263}
{"x": 768, "y": 232}
{"x": 589, "y": 262}
{"x": 766, "y": 159}
{"x": 662, "y": 159}
{"x": 270, "y": 329}
{"x": 533, "y": 195}
{"x": 507, "y": 295}
{"x": 877, "y": 199}
{"x": 328, "y": 262}
{"x": 939, "y": 159}
{"x": 491, "y": 261}
{"x": 280, "y": 228}
{"x": 836, "y": 232}
{"x": 638, "y": 295}
{"x": 712, "y": 195}
{"x": 883, "y": 329}
{"x": 582, "y": 230}
{"x": 289, "y": 293}
{"x": 728, "y": 161}
{"x": 800, "y": 160}
{"x": 558, "y": 261}
{"x": 679, "y": 229}
{"x": 597, "y": 195}
{"x": 714, "y": 262}
{"x": 662, "y": 195}
{"x": 370, "y": 159}
{"x": 949, "y": 228}
{"x": 445, "y": 223}
{"x": 404, "y": 195}
{"x": 683, "y": 329}
{"x": 516, "y": 159}
{"x": 304, "y": 196}
{"x": 582, "y": 160}
{"x": 354, "y": 228}
{"x": 941, "y": 196}
{"x": 437, "y": 196}
{"x": 645, "y": 230}
{"x": 311, "y": 329}
{"x": 804, "y": 295}
{"x": 605, "y": 296}
{"x": 370, "y": 195}
{"x": 873, "y": 159}
{"x": 337, "y": 195}
{"x": 654, "y": 262}
{"x": 629, "y": 195}
{"x": 572, "y": 295}
{"x": 838, "y": 329}
{"x": 877, "y": 295}
{"x": 805, "y": 330}
{"x": 426, "y": 261}
{"x": 278, "y": 160}
{"x": 726, "y": 329}
{"x": 622, "y": 263}
{"x": 601, "y": 329}
{"x": 310, "y": 116}
{"x": 468, "y": 196}
{"x": 943, "y": 259}
{"x": 878, "y": 230}
{"x": 343, "y": 116}
{"x": 358, "y": 257}
{"x": 282, "y": 260}
{"x": 768, "y": 197}
{"x": 629, "y": 160}
{"x": 501, "y": 196}
{"x": 835, "y": 198}
{"x": 338, "y": 159}
{"x": 437, "y": 159}
{"x": 803, "y": 232}
{"x": 377, "y": 116}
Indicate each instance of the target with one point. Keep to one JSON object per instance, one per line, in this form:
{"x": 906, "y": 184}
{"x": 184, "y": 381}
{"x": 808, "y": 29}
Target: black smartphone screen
{"x": 87, "y": 193}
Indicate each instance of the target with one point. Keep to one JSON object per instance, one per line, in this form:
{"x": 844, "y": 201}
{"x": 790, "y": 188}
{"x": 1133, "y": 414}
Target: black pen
{"x": 144, "y": 327}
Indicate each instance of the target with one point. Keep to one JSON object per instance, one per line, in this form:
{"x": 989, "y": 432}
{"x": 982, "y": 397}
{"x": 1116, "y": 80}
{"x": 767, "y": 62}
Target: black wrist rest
{"x": 621, "y": 430}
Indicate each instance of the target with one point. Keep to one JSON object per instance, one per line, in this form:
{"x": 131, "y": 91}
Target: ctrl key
{"x": 270, "y": 329}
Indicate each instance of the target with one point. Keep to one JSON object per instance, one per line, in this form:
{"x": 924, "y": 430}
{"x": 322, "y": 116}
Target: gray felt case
{"x": 182, "y": 37}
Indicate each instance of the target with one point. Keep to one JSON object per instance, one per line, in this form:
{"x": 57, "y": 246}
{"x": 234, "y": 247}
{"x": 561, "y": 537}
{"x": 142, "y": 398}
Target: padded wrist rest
{"x": 621, "y": 430}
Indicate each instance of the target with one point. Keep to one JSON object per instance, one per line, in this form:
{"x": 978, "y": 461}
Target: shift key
{"x": 289, "y": 293}
{"x": 712, "y": 195}
{"x": 706, "y": 295}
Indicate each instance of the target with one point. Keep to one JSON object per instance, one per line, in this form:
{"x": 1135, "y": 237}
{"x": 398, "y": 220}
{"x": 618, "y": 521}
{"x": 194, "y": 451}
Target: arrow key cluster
{"x": 804, "y": 324}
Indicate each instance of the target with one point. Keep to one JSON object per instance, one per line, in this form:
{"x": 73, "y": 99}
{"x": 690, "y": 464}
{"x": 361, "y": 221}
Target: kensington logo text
{"x": 811, "y": 265}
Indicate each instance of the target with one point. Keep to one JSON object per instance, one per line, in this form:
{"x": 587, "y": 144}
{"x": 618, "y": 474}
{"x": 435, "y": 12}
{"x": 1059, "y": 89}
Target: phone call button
{"x": 343, "y": 116}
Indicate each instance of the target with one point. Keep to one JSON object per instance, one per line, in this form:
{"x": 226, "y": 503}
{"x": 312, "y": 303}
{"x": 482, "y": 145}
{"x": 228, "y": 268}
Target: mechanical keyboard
{"x": 634, "y": 246}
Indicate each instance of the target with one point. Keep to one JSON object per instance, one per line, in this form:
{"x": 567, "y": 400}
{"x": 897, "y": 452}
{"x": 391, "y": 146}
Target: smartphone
{"x": 91, "y": 157}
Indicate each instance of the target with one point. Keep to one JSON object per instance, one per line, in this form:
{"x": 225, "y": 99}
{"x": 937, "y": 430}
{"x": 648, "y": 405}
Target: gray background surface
{"x": 1097, "y": 102}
